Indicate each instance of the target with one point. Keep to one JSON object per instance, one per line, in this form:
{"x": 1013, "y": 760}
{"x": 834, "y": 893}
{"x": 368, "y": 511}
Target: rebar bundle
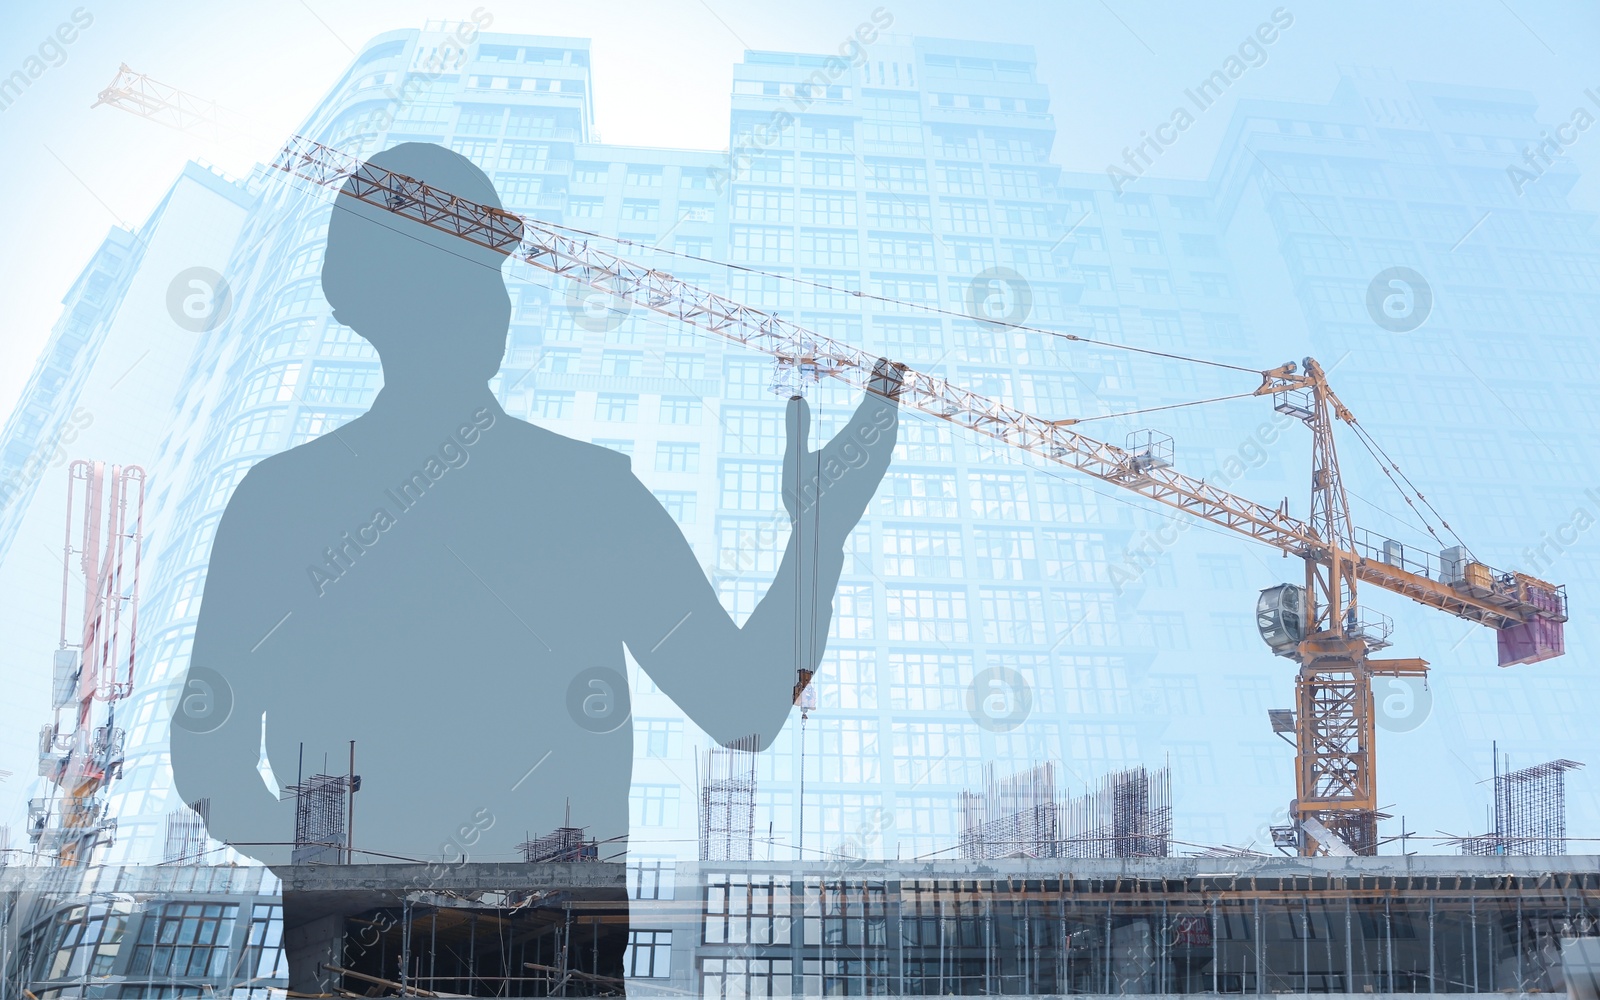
{"x": 1018, "y": 816}
{"x": 728, "y": 802}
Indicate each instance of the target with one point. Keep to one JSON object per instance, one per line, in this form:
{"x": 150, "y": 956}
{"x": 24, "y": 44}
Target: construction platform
{"x": 1363, "y": 926}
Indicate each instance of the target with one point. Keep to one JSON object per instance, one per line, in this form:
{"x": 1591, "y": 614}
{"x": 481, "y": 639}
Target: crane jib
{"x": 1503, "y": 601}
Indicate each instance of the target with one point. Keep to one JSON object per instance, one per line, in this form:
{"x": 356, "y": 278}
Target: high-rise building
{"x": 994, "y": 607}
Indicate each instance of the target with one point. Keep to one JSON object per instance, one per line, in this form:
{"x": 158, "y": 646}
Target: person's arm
{"x": 738, "y": 681}
{"x": 216, "y": 722}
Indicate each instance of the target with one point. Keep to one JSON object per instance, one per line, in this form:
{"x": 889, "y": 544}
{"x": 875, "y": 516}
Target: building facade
{"x": 994, "y": 609}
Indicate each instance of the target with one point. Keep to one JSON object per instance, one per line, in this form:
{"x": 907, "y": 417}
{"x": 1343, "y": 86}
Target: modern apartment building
{"x": 994, "y": 609}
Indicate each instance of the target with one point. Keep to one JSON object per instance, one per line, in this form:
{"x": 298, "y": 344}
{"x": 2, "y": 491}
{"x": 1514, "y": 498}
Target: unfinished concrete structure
{"x": 1364, "y": 926}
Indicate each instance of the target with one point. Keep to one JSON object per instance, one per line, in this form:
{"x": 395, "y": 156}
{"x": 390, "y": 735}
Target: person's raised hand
{"x": 832, "y": 487}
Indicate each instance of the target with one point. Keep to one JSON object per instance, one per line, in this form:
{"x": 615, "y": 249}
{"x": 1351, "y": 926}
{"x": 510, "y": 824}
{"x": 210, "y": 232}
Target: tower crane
{"x": 1320, "y": 626}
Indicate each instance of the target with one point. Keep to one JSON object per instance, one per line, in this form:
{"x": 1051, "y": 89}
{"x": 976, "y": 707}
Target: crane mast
{"x": 1321, "y": 626}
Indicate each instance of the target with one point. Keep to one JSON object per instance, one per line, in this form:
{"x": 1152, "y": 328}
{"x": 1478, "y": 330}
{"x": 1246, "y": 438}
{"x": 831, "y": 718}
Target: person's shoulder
{"x": 273, "y": 483}
{"x": 569, "y": 452}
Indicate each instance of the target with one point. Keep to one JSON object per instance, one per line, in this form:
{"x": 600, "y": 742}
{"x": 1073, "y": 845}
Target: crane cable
{"x": 1155, "y": 409}
{"x": 888, "y": 300}
{"x": 1386, "y": 463}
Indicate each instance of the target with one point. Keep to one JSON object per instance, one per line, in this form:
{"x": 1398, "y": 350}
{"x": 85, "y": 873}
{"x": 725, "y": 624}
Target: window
{"x": 643, "y": 176}
{"x": 918, "y": 494}
{"x": 910, "y": 340}
{"x": 828, "y": 247}
{"x": 186, "y": 940}
{"x": 264, "y": 947}
{"x": 559, "y": 360}
{"x": 640, "y": 210}
{"x": 762, "y": 243}
{"x": 677, "y": 456}
{"x": 616, "y": 407}
{"x": 1087, "y": 238}
{"x": 1153, "y": 282}
{"x": 928, "y": 681}
{"x": 1167, "y": 629}
{"x": 479, "y": 122}
{"x": 894, "y": 211}
{"x": 852, "y": 612}
{"x": 341, "y": 385}
{"x": 929, "y": 614}
{"x": 678, "y": 503}
{"x": 584, "y": 172}
{"x": 914, "y": 550}
{"x": 553, "y": 404}
{"x": 827, "y": 171}
{"x": 649, "y": 955}
{"x": 680, "y": 410}
{"x": 912, "y": 253}
{"x": 653, "y": 805}
{"x": 531, "y": 123}
{"x": 938, "y": 753}
{"x": 651, "y": 878}
{"x": 1096, "y": 279}
{"x": 768, "y": 168}
{"x": 659, "y": 737}
{"x": 1133, "y": 204}
{"x": 1141, "y": 241}
{"x": 896, "y": 175}
{"x": 524, "y": 156}
{"x": 763, "y": 205}
{"x": 1012, "y": 614}
{"x": 1005, "y": 553}
{"x": 839, "y": 138}
{"x": 621, "y": 364}
{"x": 753, "y": 430}
{"x": 999, "y": 495}
{"x": 847, "y": 749}
{"x": 686, "y": 366}
{"x": 586, "y": 208}
{"x": 824, "y": 208}
{"x": 959, "y": 179}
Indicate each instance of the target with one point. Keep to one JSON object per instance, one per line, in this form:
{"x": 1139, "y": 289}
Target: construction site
{"x": 1029, "y": 874}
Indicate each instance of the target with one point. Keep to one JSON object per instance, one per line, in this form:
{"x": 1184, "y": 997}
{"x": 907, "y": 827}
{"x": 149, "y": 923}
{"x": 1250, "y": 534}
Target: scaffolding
{"x": 728, "y": 801}
{"x": 1019, "y": 816}
{"x": 564, "y": 843}
{"x": 1530, "y": 811}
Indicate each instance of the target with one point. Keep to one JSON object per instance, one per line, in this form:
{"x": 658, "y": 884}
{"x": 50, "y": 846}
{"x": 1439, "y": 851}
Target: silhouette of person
{"x": 452, "y": 588}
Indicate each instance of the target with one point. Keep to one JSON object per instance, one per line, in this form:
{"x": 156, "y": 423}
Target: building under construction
{"x": 1019, "y": 816}
{"x": 1017, "y": 927}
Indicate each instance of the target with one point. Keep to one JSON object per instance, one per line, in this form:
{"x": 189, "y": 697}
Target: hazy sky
{"x": 662, "y": 73}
